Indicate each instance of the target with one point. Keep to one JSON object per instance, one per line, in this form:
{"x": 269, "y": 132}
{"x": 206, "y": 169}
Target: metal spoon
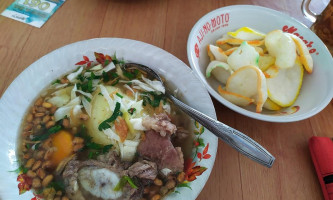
{"x": 231, "y": 136}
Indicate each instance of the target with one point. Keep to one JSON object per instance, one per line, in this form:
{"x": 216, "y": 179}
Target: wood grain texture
{"x": 167, "y": 24}
{"x": 142, "y": 20}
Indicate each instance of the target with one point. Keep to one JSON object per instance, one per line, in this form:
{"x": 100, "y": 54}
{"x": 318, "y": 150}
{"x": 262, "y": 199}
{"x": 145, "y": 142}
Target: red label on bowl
{"x": 196, "y": 50}
{"x": 292, "y": 30}
{"x": 214, "y": 24}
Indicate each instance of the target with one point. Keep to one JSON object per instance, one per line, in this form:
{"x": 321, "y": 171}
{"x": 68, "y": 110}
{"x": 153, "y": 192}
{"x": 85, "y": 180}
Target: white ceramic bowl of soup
{"x": 316, "y": 91}
{"x": 28, "y": 85}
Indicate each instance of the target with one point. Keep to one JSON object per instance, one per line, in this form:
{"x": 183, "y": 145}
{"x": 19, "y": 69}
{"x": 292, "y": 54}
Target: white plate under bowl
{"x": 27, "y": 86}
{"x": 317, "y": 88}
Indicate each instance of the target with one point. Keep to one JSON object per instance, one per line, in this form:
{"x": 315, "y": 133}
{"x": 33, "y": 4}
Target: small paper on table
{"x": 32, "y": 12}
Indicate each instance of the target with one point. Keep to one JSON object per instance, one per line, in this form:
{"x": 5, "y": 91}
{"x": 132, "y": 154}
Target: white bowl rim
{"x": 9, "y": 154}
{"x": 240, "y": 110}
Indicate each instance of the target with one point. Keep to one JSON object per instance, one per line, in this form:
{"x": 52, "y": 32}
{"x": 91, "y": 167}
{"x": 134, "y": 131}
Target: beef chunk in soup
{"x": 144, "y": 169}
{"x": 160, "y": 123}
{"x": 160, "y": 150}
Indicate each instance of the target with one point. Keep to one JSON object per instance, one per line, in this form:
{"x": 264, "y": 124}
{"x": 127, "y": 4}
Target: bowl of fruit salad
{"x": 261, "y": 63}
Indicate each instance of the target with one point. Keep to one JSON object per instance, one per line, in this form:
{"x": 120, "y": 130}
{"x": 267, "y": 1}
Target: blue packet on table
{"x": 33, "y": 12}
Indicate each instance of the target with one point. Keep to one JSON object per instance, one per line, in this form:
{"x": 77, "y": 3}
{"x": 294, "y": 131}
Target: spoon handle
{"x": 233, "y": 137}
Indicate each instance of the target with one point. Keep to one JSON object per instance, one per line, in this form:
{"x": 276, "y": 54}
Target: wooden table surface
{"x": 166, "y": 24}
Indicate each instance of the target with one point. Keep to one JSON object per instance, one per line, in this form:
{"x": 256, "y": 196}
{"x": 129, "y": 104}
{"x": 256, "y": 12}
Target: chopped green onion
{"x": 106, "y": 62}
{"x": 21, "y": 168}
{"x": 119, "y": 95}
{"x": 129, "y": 75}
{"x": 93, "y": 145}
{"x": 115, "y": 83}
{"x": 81, "y": 77}
{"x": 105, "y": 76}
{"x": 91, "y": 155}
{"x": 114, "y": 75}
{"x": 92, "y": 75}
{"x": 106, "y": 148}
{"x": 90, "y": 87}
{"x": 57, "y": 185}
{"x": 153, "y": 98}
{"x": 122, "y": 182}
{"x": 44, "y": 136}
{"x": 184, "y": 185}
{"x": 130, "y": 181}
{"x": 88, "y": 99}
{"x": 105, "y": 124}
{"x": 56, "y": 82}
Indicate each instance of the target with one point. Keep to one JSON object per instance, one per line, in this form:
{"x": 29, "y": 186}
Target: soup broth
{"x": 104, "y": 132}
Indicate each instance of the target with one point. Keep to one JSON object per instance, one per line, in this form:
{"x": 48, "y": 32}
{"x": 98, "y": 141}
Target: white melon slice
{"x": 246, "y": 33}
{"x": 216, "y": 53}
{"x": 234, "y": 98}
{"x": 235, "y": 42}
{"x": 282, "y": 47}
{"x": 270, "y": 105}
{"x": 249, "y": 81}
{"x": 272, "y": 71}
{"x": 230, "y": 51}
{"x": 265, "y": 61}
{"x": 303, "y": 52}
{"x": 243, "y": 56}
{"x": 220, "y": 70}
{"x": 284, "y": 88}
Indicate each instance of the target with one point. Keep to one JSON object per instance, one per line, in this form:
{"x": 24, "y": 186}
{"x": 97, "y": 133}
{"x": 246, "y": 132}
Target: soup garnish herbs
{"x": 106, "y": 131}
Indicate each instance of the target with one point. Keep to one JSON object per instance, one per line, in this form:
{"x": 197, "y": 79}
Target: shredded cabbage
{"x": 84, "y": 93}
{"x": 73, "y": 92}
{"x": 106, "y": 95}
{"x": 111, "y": 134}
{"x": 129, "y": 88}
{"x": 77, "y": 111}
{"x": 60, "y": 100}
{"x": 105, "y": 69}
{"x": 131, "y": 143}
{"x": 128, "y": 153}
{"x": 65, "y": 110}
{"x": 71, "y": 77}
{"x": 157, "y": 85}
{"x": 97, "y": 67}
{"x": 167, "y": 108}
{"x": 86, "y": 105}
{"x": 141, "y": 86}
{"x": 137, "y": 124}
{"x": 58, "y": 86}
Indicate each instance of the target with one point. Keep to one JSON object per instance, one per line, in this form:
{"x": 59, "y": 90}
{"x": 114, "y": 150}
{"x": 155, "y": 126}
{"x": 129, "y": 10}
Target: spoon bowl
{"x": 229, "y": 135}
